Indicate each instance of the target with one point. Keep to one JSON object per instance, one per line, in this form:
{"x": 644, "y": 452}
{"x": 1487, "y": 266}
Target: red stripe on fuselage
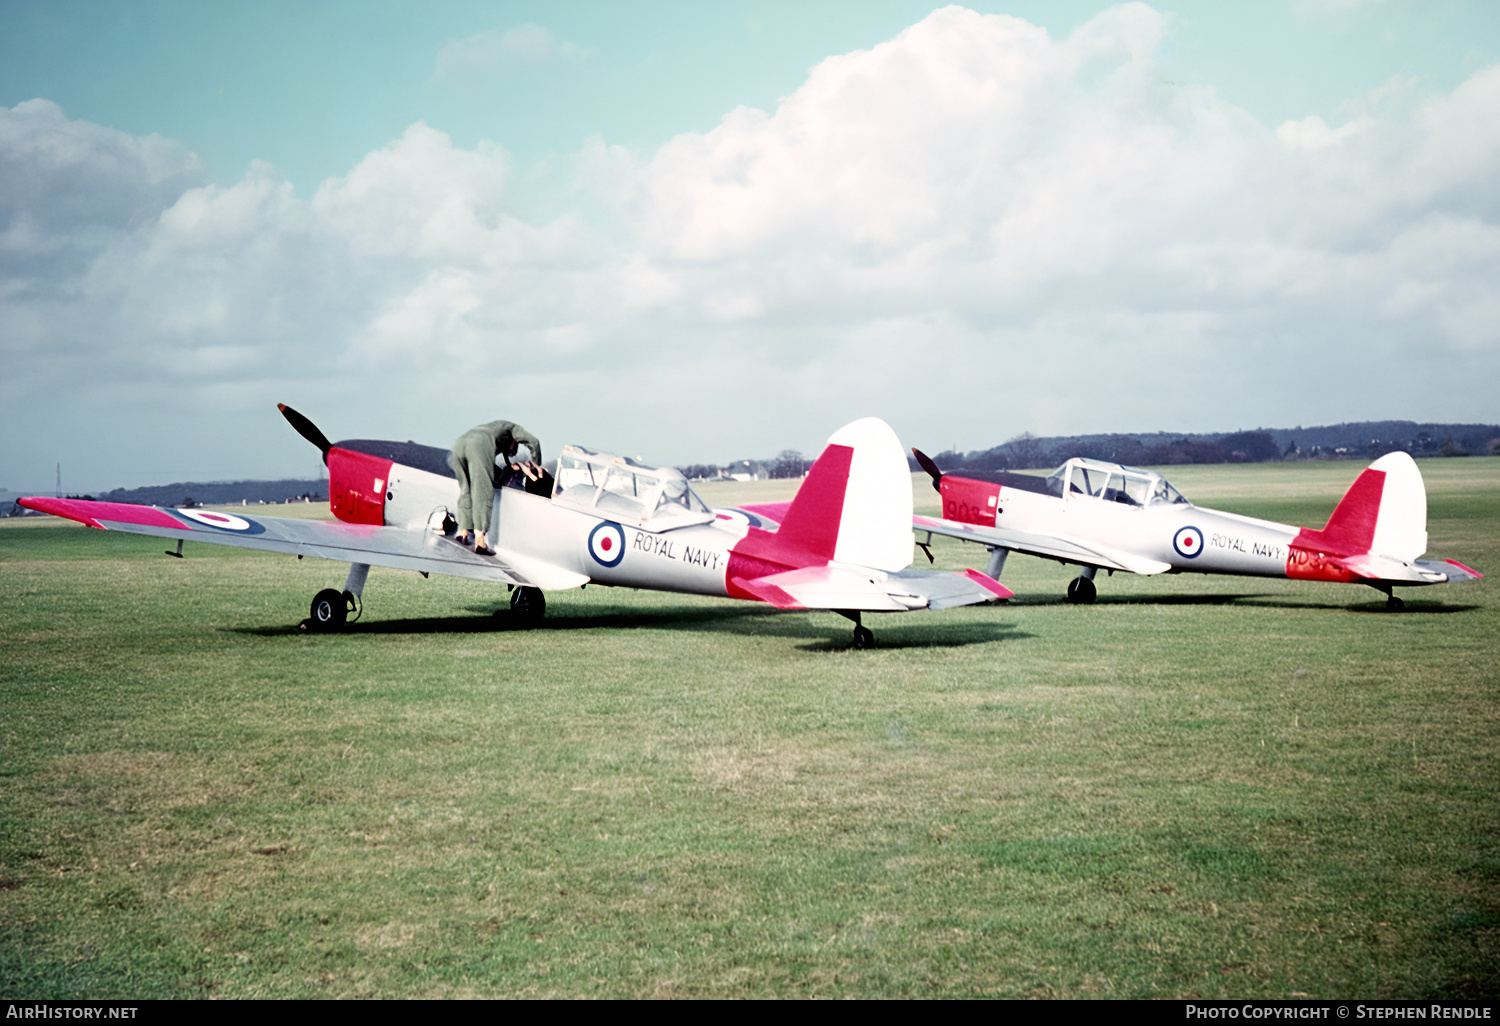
{"x": 809, "y": 532}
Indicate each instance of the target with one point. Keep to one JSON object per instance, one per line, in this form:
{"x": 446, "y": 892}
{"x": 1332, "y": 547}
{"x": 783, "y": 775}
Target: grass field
{"x": 1213, "y": 787}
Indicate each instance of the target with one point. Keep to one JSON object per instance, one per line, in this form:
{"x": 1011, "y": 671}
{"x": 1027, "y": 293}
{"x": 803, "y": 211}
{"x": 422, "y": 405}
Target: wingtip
{"x": 1466, "y": 569}
{"x": 989, "y": 584}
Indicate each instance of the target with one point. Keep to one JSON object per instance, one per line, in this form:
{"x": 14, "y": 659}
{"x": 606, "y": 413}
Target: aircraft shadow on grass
{"x": 752, "y": 622}
{"x": 1268, "y": 601}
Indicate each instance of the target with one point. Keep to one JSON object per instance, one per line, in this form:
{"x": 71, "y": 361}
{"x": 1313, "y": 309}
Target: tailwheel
{"x": 527, "y": 607}
{"x": 1081, "y": 591}
{"x": 330, "y": 609}
{"x": 863, "y": 637}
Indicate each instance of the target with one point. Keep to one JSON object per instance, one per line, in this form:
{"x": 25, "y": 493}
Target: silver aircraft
{"x": 1106, "y": 516}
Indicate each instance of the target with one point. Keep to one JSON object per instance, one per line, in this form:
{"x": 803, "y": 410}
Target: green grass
{"x": 1209, "y": 786}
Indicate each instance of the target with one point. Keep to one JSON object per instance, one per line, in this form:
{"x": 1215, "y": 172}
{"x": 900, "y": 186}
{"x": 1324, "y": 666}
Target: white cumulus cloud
{"x": 972, "y": 229}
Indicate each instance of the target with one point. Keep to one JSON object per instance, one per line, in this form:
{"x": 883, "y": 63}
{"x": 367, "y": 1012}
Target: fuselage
{"x": 1190, "y": 539}
{"x": 678, "y": 548}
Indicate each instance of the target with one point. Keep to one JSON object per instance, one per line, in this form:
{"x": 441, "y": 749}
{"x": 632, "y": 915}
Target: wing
{"x": 396, "y": 547}
{"x": 851, "y": 588}
{"x": 1049, "y": 546}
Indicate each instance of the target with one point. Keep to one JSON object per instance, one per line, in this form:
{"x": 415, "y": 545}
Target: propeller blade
{"x": 306, "y": 428}
{"x": 925, "y": 462}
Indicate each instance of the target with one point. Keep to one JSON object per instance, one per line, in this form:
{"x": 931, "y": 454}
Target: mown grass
{"x": 1210, "y": 786}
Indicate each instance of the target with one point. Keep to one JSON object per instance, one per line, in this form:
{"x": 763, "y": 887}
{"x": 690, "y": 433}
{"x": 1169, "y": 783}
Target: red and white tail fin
{"x": 1401, "y": 527}
{"x": 855, "y": 504}
{"x": 1384, "y": 512}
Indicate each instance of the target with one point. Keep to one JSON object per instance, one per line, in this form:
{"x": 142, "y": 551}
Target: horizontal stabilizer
{"x": 1372, "y": 567}
{"x": 1451, "y": 569}
{"x": 857, "y": 588}
{"x": 945, "y": 590}
{"x": 1386, "y": 569}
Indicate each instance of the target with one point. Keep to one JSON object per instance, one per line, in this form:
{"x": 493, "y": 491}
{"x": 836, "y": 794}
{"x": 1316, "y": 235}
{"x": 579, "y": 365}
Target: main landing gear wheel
{"x": 863, "y": 637}
{"x": 1081, "y": 591}
{"x": 1394, "y": 604}
{"x": 329, "y": 611}
{"x": 527, "y": 607}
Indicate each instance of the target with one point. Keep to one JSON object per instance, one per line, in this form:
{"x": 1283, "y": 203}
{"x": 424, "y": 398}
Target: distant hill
{"x": 1364, "y": 440}
{"x": 195, "y": 493}
{"x": 218, "y": 493}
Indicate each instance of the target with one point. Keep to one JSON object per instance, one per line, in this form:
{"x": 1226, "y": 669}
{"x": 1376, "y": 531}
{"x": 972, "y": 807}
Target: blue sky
{"x": 698, "y": 231}
{"x": 313, "y": 87}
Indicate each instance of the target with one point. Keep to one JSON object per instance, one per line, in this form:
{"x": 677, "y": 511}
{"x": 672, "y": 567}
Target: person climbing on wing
{"x": 473, "y": 463}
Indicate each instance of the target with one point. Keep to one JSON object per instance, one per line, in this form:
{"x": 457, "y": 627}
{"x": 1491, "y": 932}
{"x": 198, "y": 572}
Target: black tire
{"x": 1081, "y": 591}
{"x": 329, "y": 611}
{"x": 863, "y": 637}
{"x": 527, "y": 607}
{"x": 1394, "y": 604}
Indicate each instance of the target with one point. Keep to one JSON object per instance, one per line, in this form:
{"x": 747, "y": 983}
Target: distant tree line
{"x": 787, "y": 463}
{"x": 1344, "y": 441}
{"x": 1365, "y": 440}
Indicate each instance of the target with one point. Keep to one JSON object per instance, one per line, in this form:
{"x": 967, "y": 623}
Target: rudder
{"x": 1401, "y": 526}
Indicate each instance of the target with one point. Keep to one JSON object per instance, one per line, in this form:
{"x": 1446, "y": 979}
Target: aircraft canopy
{"x": 618, "y": 488}
{"x": 1112, "y": 482}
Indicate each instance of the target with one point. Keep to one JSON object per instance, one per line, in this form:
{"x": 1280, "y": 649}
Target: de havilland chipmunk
{"x": 1105, "y": 516}
{"x": 844, "y": 543}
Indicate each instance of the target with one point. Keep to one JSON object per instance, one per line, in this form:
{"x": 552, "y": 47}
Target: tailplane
{"x": 855, "y": 504}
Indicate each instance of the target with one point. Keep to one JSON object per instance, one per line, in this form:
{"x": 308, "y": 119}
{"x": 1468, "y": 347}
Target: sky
{"x": 698, "y": 232}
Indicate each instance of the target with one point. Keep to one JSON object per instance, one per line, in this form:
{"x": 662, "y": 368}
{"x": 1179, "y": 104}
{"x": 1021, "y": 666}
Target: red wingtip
{"x": 89, "y": 513}
{"x": 989, "y": 584}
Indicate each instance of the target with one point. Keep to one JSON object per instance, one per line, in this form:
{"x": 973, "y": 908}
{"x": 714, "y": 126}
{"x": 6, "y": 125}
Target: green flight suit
{"x": 473, "y": 463}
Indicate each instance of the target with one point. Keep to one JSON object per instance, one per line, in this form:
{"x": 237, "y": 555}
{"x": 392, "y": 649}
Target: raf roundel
{"x": 607, "y": 544}
{"x": 222, "y": 521}
{"x": 1188, "y": 541}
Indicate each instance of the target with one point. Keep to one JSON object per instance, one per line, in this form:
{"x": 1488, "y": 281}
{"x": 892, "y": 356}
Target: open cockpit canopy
{"x": 1112, "y": 482}
{"x": 619, "y": 488}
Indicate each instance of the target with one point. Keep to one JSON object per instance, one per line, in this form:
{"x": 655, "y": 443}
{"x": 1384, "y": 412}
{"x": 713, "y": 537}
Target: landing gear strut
{"x": 1392, "y": 603}
{"x": 863, "y": 636}
{"x": 1081, "y": 589}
